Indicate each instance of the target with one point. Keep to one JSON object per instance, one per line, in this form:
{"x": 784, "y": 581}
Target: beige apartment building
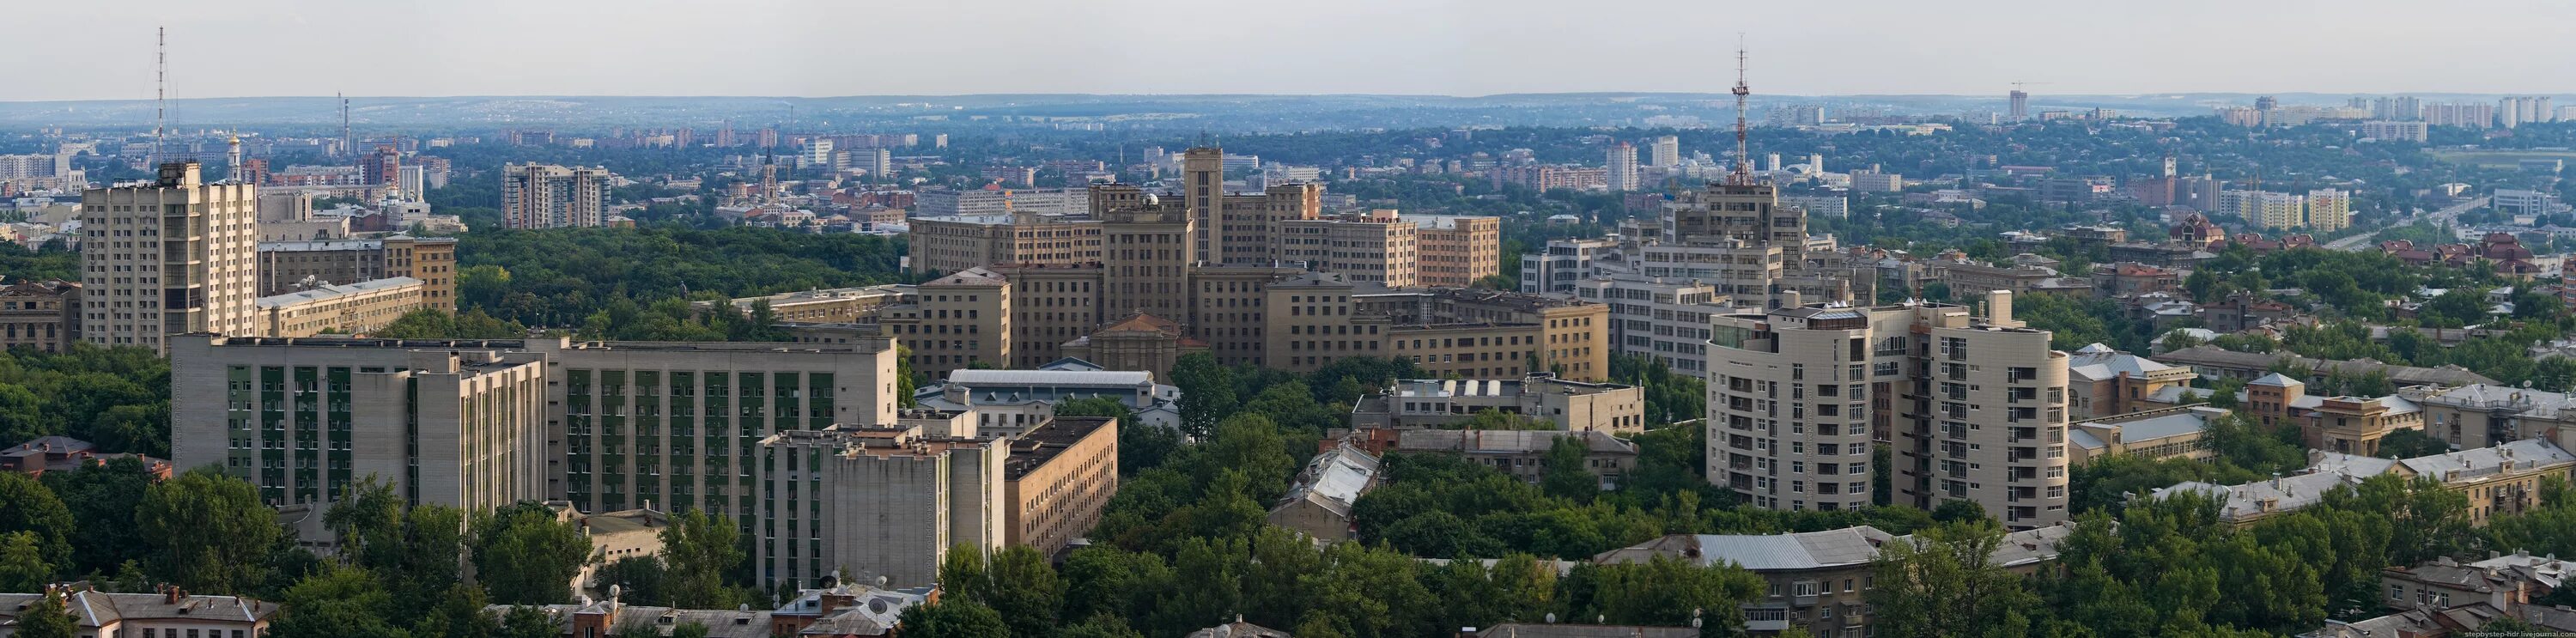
{"x": 1977, "y": 409}
{"x": 356, "y": 308}
{"x": 956, "y": 243}
{"x": 551, "y": 196}
{"x": 174, "y": 256}
{"x": 44, "y": 315}
{"x": 1058, "y": 477}
{"x": 288, "y": 266}
{"x": 1374, "y": 247}
{"x": 955, "y": 321}
{"x": 1457, "y": 250}
{"x": 1316, "y": 318}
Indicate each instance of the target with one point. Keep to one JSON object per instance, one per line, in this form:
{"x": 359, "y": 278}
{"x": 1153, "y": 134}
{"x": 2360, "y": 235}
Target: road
{"x": 2439, "y": 217}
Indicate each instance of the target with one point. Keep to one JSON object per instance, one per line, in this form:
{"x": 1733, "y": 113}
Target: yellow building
{"x": 356, "y": 308}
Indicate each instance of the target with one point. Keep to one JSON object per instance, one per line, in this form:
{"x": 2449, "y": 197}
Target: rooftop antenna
{"x": 1743, "y": 174}
{"x": 160, "y": 89}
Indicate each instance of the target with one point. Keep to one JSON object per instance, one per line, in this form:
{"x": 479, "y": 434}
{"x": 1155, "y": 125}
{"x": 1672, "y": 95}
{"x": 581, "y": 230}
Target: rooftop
{"x": 328, "y": 291}
{"x": 1041, "y": 444}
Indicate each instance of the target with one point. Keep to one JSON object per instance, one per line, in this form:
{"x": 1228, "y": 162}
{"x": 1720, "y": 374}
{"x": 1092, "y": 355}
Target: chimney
{"x": 173, "y": 594}
{"x": 1999, "y": 311}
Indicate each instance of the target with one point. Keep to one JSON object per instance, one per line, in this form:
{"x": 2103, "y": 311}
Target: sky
{"x": 94, "y": 49}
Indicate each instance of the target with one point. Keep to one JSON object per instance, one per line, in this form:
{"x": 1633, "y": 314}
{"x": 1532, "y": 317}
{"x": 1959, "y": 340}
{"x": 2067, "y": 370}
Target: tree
{"x": 1016, "y": 583}
{"x": 1944, "y": 583}
{"x": 640, "y": 580}
{"x": 22, "y": 563}
{"x": 208, "y": 532}
{"x": 700, "y": 549}
{"x": 48, "y": 619}
{"x": 525, "y": 557}
{"x": 523, "y": 621}
{"x": 1248, "y": 443}
{"x": 103, "y": 498}
{"x": 26, "y": 506}
{"x": 953, "y": 619}
{"x": 1207, "y": 392}
{"x": 1565, "y": 475}
{"x": 22, "y": 415}
{"x": 2407, "y": 444}
{"x": 339, "y": 602}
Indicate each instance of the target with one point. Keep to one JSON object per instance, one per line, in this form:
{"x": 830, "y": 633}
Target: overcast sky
{"x": 98, "y": 49}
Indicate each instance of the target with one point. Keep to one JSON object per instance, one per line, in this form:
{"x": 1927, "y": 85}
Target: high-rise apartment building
{"x": 174, "y": 256}
{"x": 2265, "y": 209}
{"x": 2395, "y": 131}
{"x": 382, "y": 167}
{"x": 1667, "y": 152}
{"x": 1457, "y": 250}
{"x": 2329, "y": 210}
{"x": 1976, "y": 409}
{"x": 1375, "y": 247}
{"x": 1623, "y": 167}
{"x": 550, "y": 196}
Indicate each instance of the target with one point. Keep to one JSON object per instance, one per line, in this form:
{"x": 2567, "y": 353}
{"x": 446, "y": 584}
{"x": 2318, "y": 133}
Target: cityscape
{"x": 1696, "y": 357}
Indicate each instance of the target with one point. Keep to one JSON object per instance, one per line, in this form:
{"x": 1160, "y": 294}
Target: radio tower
{"x": 160, "y": 90}
{"x": 1743, "y": 173}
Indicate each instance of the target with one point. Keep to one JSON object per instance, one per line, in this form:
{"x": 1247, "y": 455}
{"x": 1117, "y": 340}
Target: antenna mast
{"x": 1743, "y": 174}
{"x": 160, "y": 90}
{"x": 347, "y": 144}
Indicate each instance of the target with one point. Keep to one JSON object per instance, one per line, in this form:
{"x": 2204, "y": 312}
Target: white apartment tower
{"x": 550, "y": 196}
{"x": 1667, "y": 152}
{"x": 174, "y": 256}
{"x": 1974, "y": 409}
{"x": 1623, "y": 167}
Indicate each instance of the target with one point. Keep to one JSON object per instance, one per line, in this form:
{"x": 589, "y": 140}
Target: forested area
{"x": 636, "y": 283}
{"x": 116, "y": 398}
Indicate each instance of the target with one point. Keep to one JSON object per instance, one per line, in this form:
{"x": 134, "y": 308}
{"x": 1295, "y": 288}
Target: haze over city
{"x": 101, "y": 50}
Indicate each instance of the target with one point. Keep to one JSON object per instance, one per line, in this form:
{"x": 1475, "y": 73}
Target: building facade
{"x": 174, "y": 256}
{"x": 355, "y": 308}
{"x": 551, "y": 196}
{"x": 43, "y": 315}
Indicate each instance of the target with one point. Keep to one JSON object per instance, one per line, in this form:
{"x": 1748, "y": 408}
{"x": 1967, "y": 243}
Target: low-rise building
{"x": 1569, "y": 405}
{"x": 845, "y": 611}
{"x": 1319, "y": 504}
{"x": 604, "y": 617}
{"x": 1007, "y": 401}
{"x": 44, "y": 315}
{"x": 2504, "y": 479}
{"x": 64, "y": 454}
{"x": 1819, "y": 581}
{"x": 165, "y": 612}
{"x": 1522, "y": 453}
{"x": 355, "y": 308}
{"x": 288, "y": 266}
{"x": 2155, "y": 434}
{"x": 2105, "y": 382}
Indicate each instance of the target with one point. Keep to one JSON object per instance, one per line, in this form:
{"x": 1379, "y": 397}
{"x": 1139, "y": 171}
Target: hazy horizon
{"x": 1447, "y": 48}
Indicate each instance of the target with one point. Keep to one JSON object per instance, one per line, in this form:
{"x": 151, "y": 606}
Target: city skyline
{"x": 807, "y": 48}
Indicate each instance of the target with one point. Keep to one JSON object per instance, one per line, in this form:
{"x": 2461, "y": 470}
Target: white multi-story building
{"x": 1667, "y": 152}
{"x": 1623, "y": 167}
{"x": 1565, "y": 262}
{"x": 1662, "y": 318}
{"x": 2395, "y": 131}
{"x": 173, "y": 256}
{"x": 550, "y": 196}
{"x": 1976, "y": 410}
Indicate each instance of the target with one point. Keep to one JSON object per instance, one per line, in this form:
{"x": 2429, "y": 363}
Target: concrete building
{"x": 2477, "y": 415}
{"x": 1665, "y": 319}
{"x": 1739, "y": 239}
{"x": 1442, "y": 403}
{"x": 1622, "y": 164}
{"x": 2154, "y": 434}
{"x": 1522, "y": 454}
{"x": 289, "y": 266}
{"x": 2329, "y": 210}
{"x": 1876, "y": 182}
{"x": 1820, "y": 581}
{"x": 165, "y": 612}
{"x": 830, "y": 305}
{"x": 2396, "y": 131}
{"x": 460, "y": 424}
{"x": 1833, "y": 206}
{"x": 1564, "y": 262}
{"x": 1044, "y": 202}
{"x": 1666, "y": 152}
{"x": 1993, "y": 433}
{"x": 42, "y": 315}
{"x": 174, "y": 256}
{"x": 1374, "y": 247}
{"x": 551, "y": 196}
{"x": 954, "y": 322}
{"x": 355, "y": 308}
{"x": 1457, "y": 250}
{"x": 871, "y": 503}
{"x": 2500, "y": 480}
{"x": 1318, "y": 504}
{"x": 953, "y": 243}
{"x": 1006, "y": 402}
{"x": 2105, "y": 383}
{"x": 1058, "y": 477}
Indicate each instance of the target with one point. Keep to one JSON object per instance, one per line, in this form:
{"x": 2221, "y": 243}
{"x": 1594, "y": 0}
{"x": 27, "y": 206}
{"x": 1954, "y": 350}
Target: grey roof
{"x": 1238, "y": 629}
{"x": 95, "y": 609}
{"x": 2216, "y": 357}
{"x": 1761, "y": 552}
{"x": 2523, "y": 454}
{"x": 1335, "y": 479}
{"x": 2276, "y": 379}
{"x": 1505, "y": 441}
{"x": 1527, "y": 630}
{"x": 1104, "y": 378}
{"x": 327, "y": 291}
